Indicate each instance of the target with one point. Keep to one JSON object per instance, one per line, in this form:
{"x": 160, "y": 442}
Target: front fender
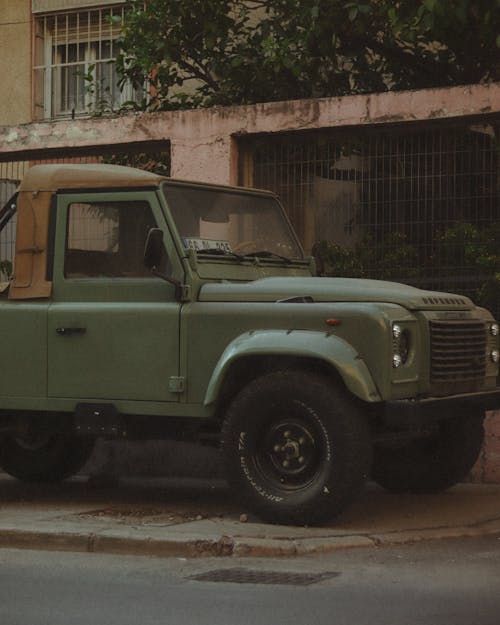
{"x": 297, "y": 343}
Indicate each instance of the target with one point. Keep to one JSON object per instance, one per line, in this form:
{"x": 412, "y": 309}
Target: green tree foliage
{"x": 462, "y": 249}
{"x": 220, "y": 52}
{"x": 5, "y": 270}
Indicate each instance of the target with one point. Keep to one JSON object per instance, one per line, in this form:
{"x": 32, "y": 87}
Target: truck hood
{"x": 331, "y": 290}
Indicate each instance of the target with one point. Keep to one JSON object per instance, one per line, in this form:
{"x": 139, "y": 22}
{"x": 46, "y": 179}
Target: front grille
{"x": 458, "y": 355}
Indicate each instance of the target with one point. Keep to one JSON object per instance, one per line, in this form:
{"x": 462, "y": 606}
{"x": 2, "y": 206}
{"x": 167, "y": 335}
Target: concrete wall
{"x": 15, "y": 65}
{"x": 487, "y": 467}
{"x": 204, "y": 141}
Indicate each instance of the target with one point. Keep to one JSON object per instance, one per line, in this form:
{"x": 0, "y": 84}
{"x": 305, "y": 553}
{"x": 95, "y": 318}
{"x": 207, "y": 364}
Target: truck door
{"x": 113, "y": 328}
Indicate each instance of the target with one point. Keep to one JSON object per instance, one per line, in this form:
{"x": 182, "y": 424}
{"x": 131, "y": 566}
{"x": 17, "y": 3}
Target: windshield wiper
{"x": 217, "y": 251}
{"x": 268, "y": 254}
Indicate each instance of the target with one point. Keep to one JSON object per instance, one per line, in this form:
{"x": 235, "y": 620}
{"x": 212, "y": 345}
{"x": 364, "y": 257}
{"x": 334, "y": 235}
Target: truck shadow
{"x": 181, "y": 498}
{"x": 175, "y": 500}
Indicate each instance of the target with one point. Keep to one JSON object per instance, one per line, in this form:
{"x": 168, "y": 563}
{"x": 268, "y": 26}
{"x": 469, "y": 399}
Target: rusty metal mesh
{"x": 413, "y": 204}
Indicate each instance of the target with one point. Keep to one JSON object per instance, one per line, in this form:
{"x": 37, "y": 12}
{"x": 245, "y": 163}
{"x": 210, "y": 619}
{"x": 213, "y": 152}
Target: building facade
{"x": 60, "y": 53}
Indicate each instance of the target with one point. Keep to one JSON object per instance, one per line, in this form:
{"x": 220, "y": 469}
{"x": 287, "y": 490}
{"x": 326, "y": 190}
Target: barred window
{"x": 74, "y": 69}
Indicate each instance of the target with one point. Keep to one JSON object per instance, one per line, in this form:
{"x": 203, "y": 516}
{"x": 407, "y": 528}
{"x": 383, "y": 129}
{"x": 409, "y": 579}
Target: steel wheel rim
{"x": 290, "y": 453}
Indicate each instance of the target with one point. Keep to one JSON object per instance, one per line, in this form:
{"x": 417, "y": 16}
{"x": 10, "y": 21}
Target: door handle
{"x": 70, "y": 331}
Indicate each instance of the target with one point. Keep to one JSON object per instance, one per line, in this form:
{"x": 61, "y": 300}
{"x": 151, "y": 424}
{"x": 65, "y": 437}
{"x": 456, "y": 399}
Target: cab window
{"x": 106, "y": 239}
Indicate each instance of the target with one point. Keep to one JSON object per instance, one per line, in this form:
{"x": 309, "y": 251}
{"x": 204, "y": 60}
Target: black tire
{"x": 38, "y": 456}
{"x": 296, "y": 447}
{"x": 432, "y": 463}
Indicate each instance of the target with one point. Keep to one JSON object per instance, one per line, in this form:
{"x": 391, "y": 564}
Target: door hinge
{"x": 176, "y": 384}
{"x": 185, "y": 290}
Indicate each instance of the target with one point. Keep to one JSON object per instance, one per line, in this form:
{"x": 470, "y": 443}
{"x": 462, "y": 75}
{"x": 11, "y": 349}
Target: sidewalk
{"x": 192, "y": 517}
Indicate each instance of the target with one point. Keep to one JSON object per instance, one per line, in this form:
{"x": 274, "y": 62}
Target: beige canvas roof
{"x": 53, "y": 177}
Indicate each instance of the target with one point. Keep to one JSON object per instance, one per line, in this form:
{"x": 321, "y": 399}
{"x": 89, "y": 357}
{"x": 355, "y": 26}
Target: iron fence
{"x": 417, "y": 205}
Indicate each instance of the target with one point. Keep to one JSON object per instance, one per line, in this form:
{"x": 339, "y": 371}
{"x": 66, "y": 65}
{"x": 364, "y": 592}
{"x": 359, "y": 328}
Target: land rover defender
{"x": 145, "y": 307}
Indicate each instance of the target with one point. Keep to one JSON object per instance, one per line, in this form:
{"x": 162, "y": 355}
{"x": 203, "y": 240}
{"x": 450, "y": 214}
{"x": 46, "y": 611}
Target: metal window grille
{"x": 415, "y": 205}
{"x": 74, "y": 73}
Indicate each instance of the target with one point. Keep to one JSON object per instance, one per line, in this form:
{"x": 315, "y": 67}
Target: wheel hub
{"x": 291, "y": 451}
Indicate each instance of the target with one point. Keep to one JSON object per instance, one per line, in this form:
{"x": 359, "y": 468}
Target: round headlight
{"x": 495, "y": 356}
{"x": 494, "y": 329}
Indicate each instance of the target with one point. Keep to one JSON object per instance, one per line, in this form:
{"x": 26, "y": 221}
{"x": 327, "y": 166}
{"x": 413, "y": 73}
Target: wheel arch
{"x": 257, "y": 353}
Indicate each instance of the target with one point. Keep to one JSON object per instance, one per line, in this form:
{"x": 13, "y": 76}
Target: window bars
{"x": 414, "y": 205}
{"x": 74, "y": 73}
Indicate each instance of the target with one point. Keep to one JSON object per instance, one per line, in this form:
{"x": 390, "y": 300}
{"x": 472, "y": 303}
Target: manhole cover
{"x": 248, "y": 576}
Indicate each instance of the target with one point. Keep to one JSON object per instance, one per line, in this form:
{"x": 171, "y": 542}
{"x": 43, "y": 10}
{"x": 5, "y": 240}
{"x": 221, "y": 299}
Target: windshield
{"x": 215, "y": 221}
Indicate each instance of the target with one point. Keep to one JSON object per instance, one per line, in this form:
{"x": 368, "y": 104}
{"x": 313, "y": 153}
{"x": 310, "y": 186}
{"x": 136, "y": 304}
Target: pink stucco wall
{"x": 202, "y": 140}
{"x": 487, "y": 467}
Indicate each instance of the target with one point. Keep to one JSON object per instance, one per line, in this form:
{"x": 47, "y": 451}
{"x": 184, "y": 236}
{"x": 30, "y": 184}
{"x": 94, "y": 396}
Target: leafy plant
{"x": 475, "y": 252}
{"x": 5, "y": 269}
{"x": 393, "y": 258}
{"x": 335, "y": 260}
{"x": 219, "y": 52}
{"x": 155, "y": 162}
{"x": 462, "y": 250}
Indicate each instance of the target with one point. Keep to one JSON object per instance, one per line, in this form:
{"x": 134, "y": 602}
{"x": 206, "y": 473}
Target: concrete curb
{"x": 126, "y": 542}
{"x": 198, "y": 518}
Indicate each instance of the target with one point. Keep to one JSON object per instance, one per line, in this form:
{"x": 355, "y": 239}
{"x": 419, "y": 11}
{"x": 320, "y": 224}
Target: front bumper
{"x": 411, "y": 412}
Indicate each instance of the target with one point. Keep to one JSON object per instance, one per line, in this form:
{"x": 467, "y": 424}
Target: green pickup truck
{"x": 143, "y": 307}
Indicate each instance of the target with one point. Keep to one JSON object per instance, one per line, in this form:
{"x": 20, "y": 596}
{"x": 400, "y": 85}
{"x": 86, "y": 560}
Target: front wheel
{"x": 296, "y": 447}
{"x": 441, "y": 458}
{"x": 38, "y": 456}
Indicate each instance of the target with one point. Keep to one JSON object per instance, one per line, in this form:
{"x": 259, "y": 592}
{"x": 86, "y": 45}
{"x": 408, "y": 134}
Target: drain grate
{"x": 248, "y": 576}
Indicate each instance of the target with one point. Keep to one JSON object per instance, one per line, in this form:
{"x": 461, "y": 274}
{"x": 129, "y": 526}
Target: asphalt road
{"x": 447, "y": 582}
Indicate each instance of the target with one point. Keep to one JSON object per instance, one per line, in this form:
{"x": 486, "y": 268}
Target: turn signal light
{"x": 333, "y": 322}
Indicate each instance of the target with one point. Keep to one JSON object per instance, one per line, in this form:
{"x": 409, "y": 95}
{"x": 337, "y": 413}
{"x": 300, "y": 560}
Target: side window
{"x": 106, "y": 239}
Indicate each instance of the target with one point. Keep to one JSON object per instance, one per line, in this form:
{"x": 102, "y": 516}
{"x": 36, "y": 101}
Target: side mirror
{"x": 154, "y": 249}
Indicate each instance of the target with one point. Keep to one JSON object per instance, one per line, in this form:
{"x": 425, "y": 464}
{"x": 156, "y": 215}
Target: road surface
{"x": 446, "y": 582}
